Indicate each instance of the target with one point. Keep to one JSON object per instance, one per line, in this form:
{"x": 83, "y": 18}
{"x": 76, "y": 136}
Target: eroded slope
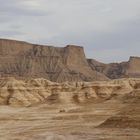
{"x": 33, "y": 91}
{"x": 22, "y": 60}
{"x": 129, "y": 69}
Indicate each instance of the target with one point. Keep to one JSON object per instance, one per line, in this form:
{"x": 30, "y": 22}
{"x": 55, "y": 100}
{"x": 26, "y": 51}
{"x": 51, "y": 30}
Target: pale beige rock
{"x": 37, "y": 109}
{"x": 29, "y": 92}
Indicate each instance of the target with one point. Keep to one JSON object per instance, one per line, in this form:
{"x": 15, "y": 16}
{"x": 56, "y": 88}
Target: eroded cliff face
{"x": 24, "y": 60}
{"x": 133, "y": 67}
{"x": 21, "y": 59}
{"x": 36, "y": 91}
{"x": 129, "y": 69}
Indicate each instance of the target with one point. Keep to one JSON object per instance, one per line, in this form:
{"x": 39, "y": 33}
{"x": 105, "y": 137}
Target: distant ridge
{"x": 129, "y": 69}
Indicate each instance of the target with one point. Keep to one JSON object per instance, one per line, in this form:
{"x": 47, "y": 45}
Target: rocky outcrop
{"x": 21, "y": 60}
{"x": 29, "y": 92}
{"x": 130, "y": 69}
{"x": 133, "y": 67}
{"x": 127, "y": 117}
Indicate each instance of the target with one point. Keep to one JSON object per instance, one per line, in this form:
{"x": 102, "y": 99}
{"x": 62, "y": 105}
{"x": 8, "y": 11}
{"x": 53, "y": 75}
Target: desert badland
{"x": 52, "y": 93}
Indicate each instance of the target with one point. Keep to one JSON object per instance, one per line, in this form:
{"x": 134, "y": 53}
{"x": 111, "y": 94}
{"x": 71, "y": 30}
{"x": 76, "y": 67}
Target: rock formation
{"x": 128, "y": 117}
{"x": 50, "y": 93}
{"x": 21, "y": 59}
{"x": 130, "y": 69}
{"x": 29, "y": 92}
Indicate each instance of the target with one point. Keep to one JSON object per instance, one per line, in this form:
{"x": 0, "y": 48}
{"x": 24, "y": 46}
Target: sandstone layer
{"x": 21, "y": 60}
{"x": 35, "y": 91}
{"x": 129, "y": 69}
{"x": 129, "y": 116}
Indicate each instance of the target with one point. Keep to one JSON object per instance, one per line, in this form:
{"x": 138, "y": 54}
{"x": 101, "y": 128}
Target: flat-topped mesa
{"x": 21, "y": 59}
{"x": 134, "y": 58}
{"x": 133, "y": 67}
{"x": 75, "y": 55}
{"x": 13, "y": 47}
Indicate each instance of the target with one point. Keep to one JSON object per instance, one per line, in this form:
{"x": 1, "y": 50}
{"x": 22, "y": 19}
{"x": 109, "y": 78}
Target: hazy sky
{"x": 109, "y": 30}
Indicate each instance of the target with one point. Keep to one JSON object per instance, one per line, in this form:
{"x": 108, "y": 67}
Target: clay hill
{"x": 129, "y": 116}
{"x": 24, "y": 60}
{"x": 129, "y": 69}
{"x": 32, "y": 91}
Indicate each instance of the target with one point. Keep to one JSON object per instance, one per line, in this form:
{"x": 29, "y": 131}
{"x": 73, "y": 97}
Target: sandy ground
{"x": 63, "y": 122}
